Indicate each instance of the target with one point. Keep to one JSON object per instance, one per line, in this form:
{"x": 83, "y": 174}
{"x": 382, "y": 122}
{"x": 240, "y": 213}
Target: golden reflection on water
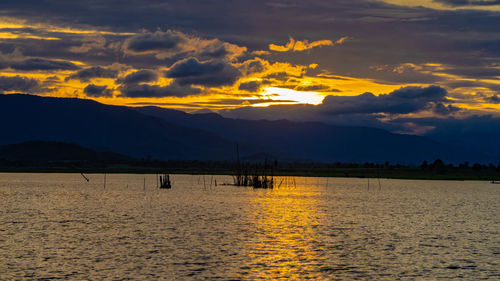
{"x": 284, "y": 229}
{"x": 59, "y": 226}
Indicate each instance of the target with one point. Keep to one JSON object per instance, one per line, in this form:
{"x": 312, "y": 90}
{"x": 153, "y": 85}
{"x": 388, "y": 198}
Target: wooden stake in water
{"x": 281, "y": 182}
{"x": 144, "y": 183}
{"x": 87, "y": 179}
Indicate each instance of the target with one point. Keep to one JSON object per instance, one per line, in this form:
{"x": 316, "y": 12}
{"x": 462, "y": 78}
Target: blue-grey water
{"x": 59, "y": 226}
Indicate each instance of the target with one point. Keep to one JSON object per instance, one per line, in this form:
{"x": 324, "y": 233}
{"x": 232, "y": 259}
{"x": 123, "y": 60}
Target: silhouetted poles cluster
{"x": 262, "y": 178}
{"x": 165, "y": 181}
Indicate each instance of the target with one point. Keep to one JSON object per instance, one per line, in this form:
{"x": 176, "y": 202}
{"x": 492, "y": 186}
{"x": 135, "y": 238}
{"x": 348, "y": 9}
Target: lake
{"x": 59, "y": 226}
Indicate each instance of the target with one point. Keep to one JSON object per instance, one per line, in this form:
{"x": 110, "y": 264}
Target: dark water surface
{"x": 58, "y": 226}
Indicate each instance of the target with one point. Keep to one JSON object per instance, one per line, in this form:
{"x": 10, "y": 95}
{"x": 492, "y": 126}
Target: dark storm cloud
{"x": 97, "y": 91}
{"x": 155, "y": 91}
{"x": 469, "y": 2}
{"x": 441, "y": 109}
{"x": 158, "y": 41}
{"x": 86, "y": 74}
{"x": 141, "y": 76}
{"x": 362, "y": 110}
{"x": 316, "y": 88}
{"x": 64, "y": 49}
{"x": 252, "y": 86}
{"x": 494, "y": 87}
{"x": 493, "y": 99}
{"x": 209, "y": 73}
{"x": 464, "y": 41}
{"x": 16, "y": 60}
{"x": 19, "y": 83}
{"x": 416, "y": 35}
{"x": 219, "y": 52}
{"x": 252, "y": 66}
{"x": 42, "y": 64}
{"x": 402, "y": 101}
{"x": 486, "y": 72}
{"x": 177, "y": 45}
{"x": 281, "y": 76}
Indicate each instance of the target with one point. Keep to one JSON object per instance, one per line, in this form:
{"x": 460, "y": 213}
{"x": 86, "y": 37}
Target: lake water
{"x": 58, "y": 226}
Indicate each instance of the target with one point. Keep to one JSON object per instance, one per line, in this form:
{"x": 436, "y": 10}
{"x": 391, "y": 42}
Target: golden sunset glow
{"x": 274, "y": 93}
{"x": 285, "y": 223}
{"x": 211, "y": 130}
{"x": 190, "y": 71}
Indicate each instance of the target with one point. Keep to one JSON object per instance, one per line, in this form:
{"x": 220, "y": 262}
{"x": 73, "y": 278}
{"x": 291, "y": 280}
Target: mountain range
{"x": 166, "y": 134}
{"x": 43, "y": 152}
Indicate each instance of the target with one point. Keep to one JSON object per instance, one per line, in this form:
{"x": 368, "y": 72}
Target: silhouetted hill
{"x": 107, "y": 128}
{"x": 169, "y": 134}
{"x": 320, "y": 142}
{"x": 482, "y": 135}
{"x": 41, "y": 151}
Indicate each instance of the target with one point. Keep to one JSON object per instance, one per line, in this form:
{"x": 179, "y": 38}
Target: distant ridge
{"x": 106, "y": 128}
{"x": 43, "y": 151}
{"x": 321, "y": 142}
{"x": 157, "y": 133}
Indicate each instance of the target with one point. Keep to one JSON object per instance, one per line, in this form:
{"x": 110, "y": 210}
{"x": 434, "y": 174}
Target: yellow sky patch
{"x": 13, "y": 23}
{"x": 11, "y": 35}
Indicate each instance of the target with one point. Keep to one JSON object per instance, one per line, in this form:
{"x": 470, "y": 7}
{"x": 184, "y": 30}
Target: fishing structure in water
{"x": 165, "y": 182}
{"x": 263, "y": 176}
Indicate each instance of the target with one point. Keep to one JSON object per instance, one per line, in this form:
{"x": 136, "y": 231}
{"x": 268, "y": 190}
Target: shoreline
{"x": 408, "y": 174}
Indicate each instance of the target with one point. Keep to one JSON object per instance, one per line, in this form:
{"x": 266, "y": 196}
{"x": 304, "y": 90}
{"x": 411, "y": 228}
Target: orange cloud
{"x": 298, "y": 46}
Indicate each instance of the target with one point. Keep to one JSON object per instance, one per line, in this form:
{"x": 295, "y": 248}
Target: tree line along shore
{"x": 435, "y": 170}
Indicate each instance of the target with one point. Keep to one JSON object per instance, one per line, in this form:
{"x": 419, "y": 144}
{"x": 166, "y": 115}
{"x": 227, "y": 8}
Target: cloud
{"x": 249, "y": 67}
{"x": 493, "y": 99}
{"x": 17, "y": 61}
{"x": 89, "y": 43}
{"x": 476, "y": 132}
{"x": 86, "y": 74}
{"x": 209, "y": 73}
{"x": 281, "y": 76}
{"x": 441, "y": 109}
{"x": 141, "y": 76}
{"x": 51, "y": 81}
{"x": 19, "y": 83}
{"x": 252, "y": 86}
{"x": 158, "y": 41}
{"x": 315, "y": 88}
{"x": 298, "y": 46}
{"x": 454, "y": 3}
{"x": 403, "y": 101}
{"x": 155, "y": 91}
{"x": 42, "y": 64}
{"x": 380, "y": 35}
{"x": 97, "y": 91}
{"x": 361, "y": 110}
{"x": 172, "y": 43}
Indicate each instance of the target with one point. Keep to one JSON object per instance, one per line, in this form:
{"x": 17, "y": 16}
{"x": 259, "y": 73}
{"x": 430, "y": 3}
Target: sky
{"x": 406, "y": 66}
